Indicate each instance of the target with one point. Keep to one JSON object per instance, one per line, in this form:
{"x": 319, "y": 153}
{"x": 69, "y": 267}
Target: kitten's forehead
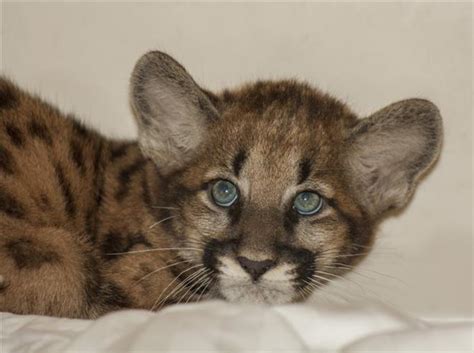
{"x": 269, "y": 173}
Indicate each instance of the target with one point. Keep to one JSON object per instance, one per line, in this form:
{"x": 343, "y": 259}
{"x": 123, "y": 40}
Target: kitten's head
{"x": 278, "y": 185}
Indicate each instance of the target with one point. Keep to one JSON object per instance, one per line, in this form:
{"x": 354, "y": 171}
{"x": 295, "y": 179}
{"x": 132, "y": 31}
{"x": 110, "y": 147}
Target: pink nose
{"x": 255, "y": 268}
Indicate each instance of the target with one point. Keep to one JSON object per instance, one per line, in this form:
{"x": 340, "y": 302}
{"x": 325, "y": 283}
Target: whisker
{"x": 203, "y": 283}
{"x": 165, "y": 207}
{"x": 340, "y": 277}
{"x": 198, "y": 280}
{"x": 160, "y": 269}
{"x": 351, "y": 269}
{"x": 161, "y": 221}
{"x": 351, "y": 255}
{"x": 149, "y": 250}
{"x": 205, "y": 288}
{"x": 181, "y": 286}
{"x": 172, "y": 281}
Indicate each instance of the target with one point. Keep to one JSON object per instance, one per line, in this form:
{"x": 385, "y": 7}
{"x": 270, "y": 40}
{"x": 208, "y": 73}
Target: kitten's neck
{"x": 127, "y": 196}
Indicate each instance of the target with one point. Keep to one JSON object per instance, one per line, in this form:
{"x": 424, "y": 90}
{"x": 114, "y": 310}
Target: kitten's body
{"x": 69, "y": 197}
{"x": 73, "y": 202}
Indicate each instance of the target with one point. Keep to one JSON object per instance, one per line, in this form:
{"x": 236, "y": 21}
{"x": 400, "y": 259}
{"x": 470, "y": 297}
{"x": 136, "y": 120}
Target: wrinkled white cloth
{"x": 222, "y": 327}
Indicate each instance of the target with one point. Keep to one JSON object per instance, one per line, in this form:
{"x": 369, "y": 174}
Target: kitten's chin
{"x": 250, "y": 293}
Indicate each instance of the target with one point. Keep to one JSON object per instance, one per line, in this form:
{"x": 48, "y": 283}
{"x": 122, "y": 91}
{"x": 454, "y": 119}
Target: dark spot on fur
{"x": 115, "y": 243}
{"x": 290, "y": 220}
{"x": 77, "y": 155}
{"x": 10, "y": 206}
{"x": 29, "y": 255}
{"x": 79, "y": 128}
{"x": 305, "y": 261}
{"x": 216, "y": 247}
{"x": 40, "y": 131}
{"x": 43, "y": 202}
{"x": 239, "y": 161}
{"x": 114, "y": 296}
{"x": 235, "y": 211}
{"x": 119, "y": 150}
{"x": 8, "y": 95}
{"x": 102, "y": 294}
{"x": 92, "y": 221}
{"x": 15, "y": 134}
{"x": 146, "y": 194}
{"x": 69, "y": 203}
{"x": 125, "y": 176}
{"x": 6, "y": 161}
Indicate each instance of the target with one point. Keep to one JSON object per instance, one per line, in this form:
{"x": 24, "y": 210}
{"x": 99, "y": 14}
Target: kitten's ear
{"x": 390, "y": 150}
{"x": 172, "y": 111}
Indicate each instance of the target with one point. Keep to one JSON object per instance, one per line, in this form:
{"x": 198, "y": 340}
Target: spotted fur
{"x": 90, "y": 224}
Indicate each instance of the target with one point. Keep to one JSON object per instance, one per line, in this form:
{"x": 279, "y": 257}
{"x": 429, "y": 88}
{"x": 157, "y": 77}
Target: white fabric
{"x": 223, "y": 327}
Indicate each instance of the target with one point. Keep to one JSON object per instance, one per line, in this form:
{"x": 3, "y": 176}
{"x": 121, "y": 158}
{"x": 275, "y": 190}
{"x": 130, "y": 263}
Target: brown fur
{"x": 73, "y": 202}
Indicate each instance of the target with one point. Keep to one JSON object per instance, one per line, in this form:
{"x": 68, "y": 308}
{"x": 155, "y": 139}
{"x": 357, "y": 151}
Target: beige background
{"x": 80, "y": 57}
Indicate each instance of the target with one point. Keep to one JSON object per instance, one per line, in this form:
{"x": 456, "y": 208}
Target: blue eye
{"x": 224, "y": 193}
{"x": 307, "y": 203}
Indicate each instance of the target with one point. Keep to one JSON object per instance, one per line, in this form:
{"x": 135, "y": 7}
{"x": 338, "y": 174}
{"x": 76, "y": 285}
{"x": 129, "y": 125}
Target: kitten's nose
{"x": 255, "y": 268}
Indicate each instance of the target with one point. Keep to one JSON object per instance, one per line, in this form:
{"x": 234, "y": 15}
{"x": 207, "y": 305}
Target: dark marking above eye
{"x": 239, "y": 161}
{"x": 304, "y": 170}
{"x": 16, "y": 137}
{"x": 40, "y": 131}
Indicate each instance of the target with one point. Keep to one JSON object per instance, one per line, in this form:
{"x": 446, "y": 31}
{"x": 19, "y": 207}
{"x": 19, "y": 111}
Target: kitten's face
{"x": 274, "y": 188}
{"x": 266, "y": 201}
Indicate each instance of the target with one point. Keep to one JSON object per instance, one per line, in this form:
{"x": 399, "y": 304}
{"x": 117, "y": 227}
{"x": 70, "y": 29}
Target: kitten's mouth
{"x": 249, "y": 292}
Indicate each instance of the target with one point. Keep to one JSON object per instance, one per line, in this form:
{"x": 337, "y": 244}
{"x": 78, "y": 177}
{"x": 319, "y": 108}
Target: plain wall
{"x": 80, "y": 56}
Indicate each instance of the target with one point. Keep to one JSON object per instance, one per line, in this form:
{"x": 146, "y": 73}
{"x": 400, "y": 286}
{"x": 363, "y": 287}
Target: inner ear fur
{"x": 172, "y": 111}
{"x": 389, "y": 151}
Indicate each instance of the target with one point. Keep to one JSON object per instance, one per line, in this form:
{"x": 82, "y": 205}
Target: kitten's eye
{"x": 307, "y": 203}
{"x": 224, "y": 193}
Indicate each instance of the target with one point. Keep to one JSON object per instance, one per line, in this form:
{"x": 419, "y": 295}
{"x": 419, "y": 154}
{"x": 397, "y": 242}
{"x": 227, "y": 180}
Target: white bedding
{"x": 223, "y": 327}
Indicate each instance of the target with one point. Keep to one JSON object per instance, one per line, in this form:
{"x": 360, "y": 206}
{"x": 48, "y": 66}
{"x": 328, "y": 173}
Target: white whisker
{"x": 204, "y": 282}
{"x": 198, "y": 280}
{"x": 165, "y": 208}
{"x": 150, "y": 250}
{"x": 174, "y": 280}
{"x": 161, "y": 269}
{"x": 161, "y": 221}
{"x": 181, "y": 286}
{"x": 204, "y": 289}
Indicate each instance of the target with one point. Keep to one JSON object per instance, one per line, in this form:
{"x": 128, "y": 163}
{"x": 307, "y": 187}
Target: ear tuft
{"x": 172, "y": 111}
{"x": 390, "y": 150}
